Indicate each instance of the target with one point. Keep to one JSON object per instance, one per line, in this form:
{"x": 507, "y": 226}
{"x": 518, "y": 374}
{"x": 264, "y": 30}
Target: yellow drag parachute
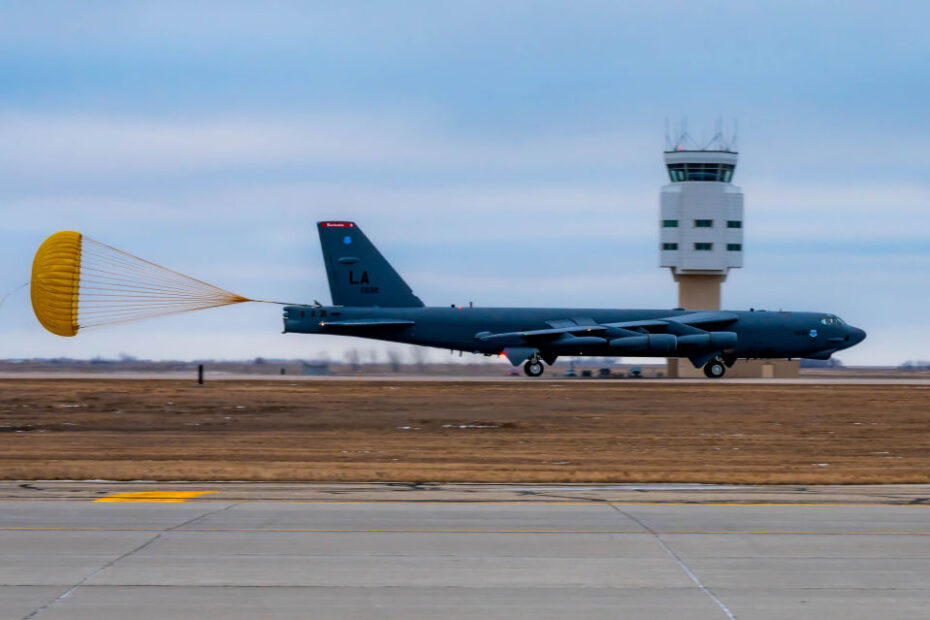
{"x": 78, "y": 283}
{"x": 56, "y": 274}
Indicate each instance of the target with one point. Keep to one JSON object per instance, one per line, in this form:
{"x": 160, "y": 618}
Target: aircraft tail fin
{"x": 358, "y": 274}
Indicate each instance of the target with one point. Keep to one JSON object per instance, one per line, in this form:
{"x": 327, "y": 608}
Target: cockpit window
{"x": 832, "y": 320}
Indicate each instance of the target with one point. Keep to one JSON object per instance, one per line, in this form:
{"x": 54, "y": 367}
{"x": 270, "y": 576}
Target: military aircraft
{"x": 370, "y": 300}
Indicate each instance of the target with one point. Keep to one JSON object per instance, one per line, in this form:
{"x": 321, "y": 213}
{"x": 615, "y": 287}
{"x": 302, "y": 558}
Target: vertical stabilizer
{"x": 358, "y": 273}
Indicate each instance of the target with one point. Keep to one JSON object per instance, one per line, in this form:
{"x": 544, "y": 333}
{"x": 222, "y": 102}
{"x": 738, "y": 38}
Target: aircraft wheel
{"x": 533, "y": 368}
{"x": 714, "y": 369}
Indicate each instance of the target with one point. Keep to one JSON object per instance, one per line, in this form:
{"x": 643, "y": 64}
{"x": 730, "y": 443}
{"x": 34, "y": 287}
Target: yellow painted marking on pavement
{"x": 538, "y": 502}
{"x": 181, "y": 496}
{"x": 773, "y": 504}
{"x": 178, "y": 496}
{"x": 463, "y": 531}
{"x": 80, "y": 529}
{"x": 523, "y": 531}
{"x": 590, "y": 502}
{"x": 526, "y": 531}
{"x": 167, "y": 497}
{"x": 433, "y": 502}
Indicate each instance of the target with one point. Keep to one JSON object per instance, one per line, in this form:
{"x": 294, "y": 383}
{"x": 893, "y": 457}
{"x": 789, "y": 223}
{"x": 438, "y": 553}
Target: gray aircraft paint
{"x": 372, "y": 301}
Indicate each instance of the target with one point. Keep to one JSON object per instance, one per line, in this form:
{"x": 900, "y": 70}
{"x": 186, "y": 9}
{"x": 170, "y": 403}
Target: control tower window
{"x": 703, "y": 172}
{"x": 676, "y": 172}
{"x": 703, "y": 223}
{"x": 704, "y": 246}
{"x": 734, "y": 224}
{"x": 700, "y": 172}
{"x": 726, "y": 172}
{"x": 669, "y": 223}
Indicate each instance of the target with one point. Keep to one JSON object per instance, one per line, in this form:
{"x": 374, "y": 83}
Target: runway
{"x": 546, "y": 379}
{"x": 462, "y": 551}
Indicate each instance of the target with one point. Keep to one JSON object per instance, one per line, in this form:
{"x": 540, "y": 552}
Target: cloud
{"x": 97, "y": 148}
{"x": 863, "y": 213}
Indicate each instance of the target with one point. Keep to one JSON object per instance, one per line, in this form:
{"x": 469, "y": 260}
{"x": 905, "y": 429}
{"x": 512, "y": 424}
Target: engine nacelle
{"x": 662, "y": 343}
{"x": 647, "y": 343}
{"x": 659, "y": 344}
{"x": 724, "y": 340}
{"x": 697, "y": 341}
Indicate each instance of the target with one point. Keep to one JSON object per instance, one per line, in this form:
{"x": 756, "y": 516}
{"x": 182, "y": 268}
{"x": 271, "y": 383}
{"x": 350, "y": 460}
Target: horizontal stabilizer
{"x": 368, "y": 323}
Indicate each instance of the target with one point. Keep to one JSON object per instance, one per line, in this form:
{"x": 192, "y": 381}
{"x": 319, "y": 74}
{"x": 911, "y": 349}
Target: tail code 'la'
{"x": 358, "y": 273}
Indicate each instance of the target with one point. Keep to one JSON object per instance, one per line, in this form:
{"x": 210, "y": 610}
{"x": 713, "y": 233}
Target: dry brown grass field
{"x": 508, "y": 431}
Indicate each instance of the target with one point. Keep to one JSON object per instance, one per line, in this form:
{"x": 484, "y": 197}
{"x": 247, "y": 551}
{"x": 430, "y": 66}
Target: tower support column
{"x": 695, "y": 292}
{"x": 699, "y": 292}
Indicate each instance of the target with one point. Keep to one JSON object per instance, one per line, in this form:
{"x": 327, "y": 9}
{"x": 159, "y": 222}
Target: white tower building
{"x": 701, "y": 221}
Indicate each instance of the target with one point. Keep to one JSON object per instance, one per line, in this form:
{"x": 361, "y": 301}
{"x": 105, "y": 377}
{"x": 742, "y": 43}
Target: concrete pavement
{"x": 338, "y": 551}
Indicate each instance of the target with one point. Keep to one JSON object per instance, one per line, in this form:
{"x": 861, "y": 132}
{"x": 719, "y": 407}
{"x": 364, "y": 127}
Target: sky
{"x": 506, "y": 153}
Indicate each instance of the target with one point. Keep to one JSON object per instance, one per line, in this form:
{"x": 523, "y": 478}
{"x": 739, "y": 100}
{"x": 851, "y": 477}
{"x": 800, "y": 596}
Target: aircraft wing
{"x": 692, "y": 318}
{"x": 544, "y": 334}
{"x": 644, "y": 323}
{"x": 699, "y": 318}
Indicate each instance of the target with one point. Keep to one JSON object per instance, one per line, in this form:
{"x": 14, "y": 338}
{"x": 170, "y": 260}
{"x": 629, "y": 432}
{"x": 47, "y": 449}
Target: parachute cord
{"x": 280, "y": 303}
{"x": 18, "y": 288}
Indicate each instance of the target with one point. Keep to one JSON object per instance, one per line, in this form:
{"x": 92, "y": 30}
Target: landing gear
{"x": 533, "y": 367}
{"x": 715, "y": 368}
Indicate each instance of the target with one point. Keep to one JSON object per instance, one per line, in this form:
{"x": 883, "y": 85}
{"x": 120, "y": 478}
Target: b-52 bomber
{"x": 370, "y": 300}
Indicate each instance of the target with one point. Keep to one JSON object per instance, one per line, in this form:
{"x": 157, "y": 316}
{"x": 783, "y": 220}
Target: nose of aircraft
{"x": 856, "y": 335}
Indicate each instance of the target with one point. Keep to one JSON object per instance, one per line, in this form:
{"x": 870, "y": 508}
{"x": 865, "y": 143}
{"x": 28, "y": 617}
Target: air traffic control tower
{"x": 701, "y": 224}
{"x": 701, "y": 233}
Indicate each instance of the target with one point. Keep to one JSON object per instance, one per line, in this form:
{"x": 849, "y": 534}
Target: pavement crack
{"x": 558, "y": 496}
{"x": 681, "y": 563}
{"x": 84, "y": 580}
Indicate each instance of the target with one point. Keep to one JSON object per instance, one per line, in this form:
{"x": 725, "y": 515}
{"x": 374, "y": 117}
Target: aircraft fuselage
{"x": 759, "y": 334}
